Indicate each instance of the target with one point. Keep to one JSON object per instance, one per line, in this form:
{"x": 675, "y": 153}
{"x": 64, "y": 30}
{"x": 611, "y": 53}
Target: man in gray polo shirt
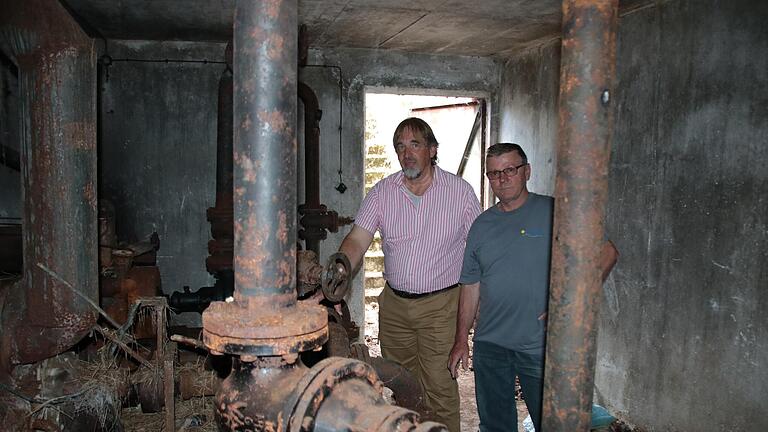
{"x": 506, "y": 273}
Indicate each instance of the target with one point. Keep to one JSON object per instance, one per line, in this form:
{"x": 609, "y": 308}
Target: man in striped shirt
{"x": 423, "y": 214}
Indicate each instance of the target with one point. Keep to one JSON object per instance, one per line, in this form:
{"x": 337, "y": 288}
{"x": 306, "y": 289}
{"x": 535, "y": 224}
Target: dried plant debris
{"x": 195, "y": 414}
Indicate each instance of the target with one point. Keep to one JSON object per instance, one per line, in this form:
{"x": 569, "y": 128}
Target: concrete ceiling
{"x": 495, "y": 28}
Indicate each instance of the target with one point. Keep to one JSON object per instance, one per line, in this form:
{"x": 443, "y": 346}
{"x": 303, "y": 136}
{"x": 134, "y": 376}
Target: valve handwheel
{"x": 336, "y": 280}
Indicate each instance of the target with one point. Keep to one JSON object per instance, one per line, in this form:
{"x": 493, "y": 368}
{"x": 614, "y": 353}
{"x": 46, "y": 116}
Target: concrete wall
{"x": 528, "y": 100}
{"x": 10, "y": 179}
{"x": 158, "y": 151}
{"x": 683, "y": 336}
{"x": 365, "y": 69}
{"x": 158, "y": 138}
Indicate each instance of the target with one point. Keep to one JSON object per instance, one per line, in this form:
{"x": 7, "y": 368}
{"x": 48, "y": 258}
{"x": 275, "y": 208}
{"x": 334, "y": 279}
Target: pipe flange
{"x": 318, "y": 383}
{"x": 398, "y": 419}
{"x": 234, "y": 329}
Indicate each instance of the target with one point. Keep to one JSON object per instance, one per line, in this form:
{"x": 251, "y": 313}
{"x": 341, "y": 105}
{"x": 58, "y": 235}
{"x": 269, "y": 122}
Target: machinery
{"x": 59, "y": 318}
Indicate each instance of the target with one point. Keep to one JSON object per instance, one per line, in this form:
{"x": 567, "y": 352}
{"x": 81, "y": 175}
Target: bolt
{"x": 605, "y": 97}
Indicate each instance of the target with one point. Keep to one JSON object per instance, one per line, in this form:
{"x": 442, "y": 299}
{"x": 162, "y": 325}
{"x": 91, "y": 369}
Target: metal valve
{"x": 336, "y": 279}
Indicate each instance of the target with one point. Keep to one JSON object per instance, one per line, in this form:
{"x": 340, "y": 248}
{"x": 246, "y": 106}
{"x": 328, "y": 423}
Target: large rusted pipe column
{"x": 264, "y": 319}
{"x": 311, "y": 234}
{"x": 224, "y": 131}
{"x": 269, "y": 388}
{"x": 312, "y": 115}
{"x": 43, "y": 315}
{"x": 265, "y": 325}
{"x": 586, "y": 77}
{"x": 221, "y": 246}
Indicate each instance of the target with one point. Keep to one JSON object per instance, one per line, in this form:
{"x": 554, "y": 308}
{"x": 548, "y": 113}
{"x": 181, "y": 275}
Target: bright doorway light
{"x": 457, "y": 124}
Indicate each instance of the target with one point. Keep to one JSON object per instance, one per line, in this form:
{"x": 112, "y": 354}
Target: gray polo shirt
{"x": 509, "y": 254}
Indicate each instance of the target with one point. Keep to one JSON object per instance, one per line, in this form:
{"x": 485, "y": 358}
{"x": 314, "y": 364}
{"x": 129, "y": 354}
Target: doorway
{"x": 458, "y": 124}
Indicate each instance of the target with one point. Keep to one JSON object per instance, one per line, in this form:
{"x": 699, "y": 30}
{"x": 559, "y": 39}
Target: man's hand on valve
{"x": 336, "y": 281}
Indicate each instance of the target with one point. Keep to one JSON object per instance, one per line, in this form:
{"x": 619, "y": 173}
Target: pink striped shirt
{"x": 423, "y": 245}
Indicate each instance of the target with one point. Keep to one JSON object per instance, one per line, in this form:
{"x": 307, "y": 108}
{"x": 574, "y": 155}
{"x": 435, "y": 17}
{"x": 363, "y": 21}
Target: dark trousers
{"x": 495, "y": 371}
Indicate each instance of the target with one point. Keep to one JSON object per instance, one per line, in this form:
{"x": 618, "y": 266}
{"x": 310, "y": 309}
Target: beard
{"x": 412, "y": 173}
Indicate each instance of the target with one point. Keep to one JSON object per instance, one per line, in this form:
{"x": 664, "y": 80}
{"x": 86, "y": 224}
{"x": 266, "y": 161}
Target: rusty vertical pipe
{"x": 264, "y": 319}
{"x": 311, "y": 234}
{"x": 57, "y": 79}
{"x": 586, "y": 77}
{"x": 311, "y": 145}
{"x": 219, "y": 263}
{"x": 224, "y": 136}
{"x": 265, "y": 49}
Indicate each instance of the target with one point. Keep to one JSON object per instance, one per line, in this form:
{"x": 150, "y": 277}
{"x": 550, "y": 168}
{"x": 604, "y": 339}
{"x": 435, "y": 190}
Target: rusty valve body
{"x": 336, "y": 394}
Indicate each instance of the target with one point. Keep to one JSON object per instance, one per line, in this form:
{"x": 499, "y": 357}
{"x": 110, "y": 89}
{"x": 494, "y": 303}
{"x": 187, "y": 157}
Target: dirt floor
{"x": 469, "y": 420}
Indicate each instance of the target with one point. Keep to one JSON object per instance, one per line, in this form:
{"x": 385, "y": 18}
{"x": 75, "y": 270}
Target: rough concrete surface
{"x": 528, "y": 99}
{"x": 158, "y": 137}
{"x": 683, "y": 330}
{"x": 158, "y": 150}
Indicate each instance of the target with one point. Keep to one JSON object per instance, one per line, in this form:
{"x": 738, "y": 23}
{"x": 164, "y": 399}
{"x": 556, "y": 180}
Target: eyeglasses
{"x": 413, "y": 145}
{"x": 508, "y": 172}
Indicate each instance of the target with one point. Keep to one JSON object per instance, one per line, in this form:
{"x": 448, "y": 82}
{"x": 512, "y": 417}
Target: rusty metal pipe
{"x": 265, "y": 150}
{"x": 220, "y": 247}
{"x": 57, "y": 78}
{"x": 269, "y": 388}
{"x": 312, "y": 115}
{"x": 264, "y": 318}
{"x": 344, "y": 394}
{"x": 312, "y": 206}
{"x": 586, "y": 77}
{"x": 316, "y": 219}
{"x": 224, "y": 135}
{"x": 404, "y": 385}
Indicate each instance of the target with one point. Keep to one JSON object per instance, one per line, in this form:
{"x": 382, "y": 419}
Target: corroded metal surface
{"x": 312, "y": 115}
{"x": 265, "y": 148}
{"x": 264, "y": 318}
{"x": 336, "y": 282}
{"x": 316, "y": 219}
{"x": 121, "y": 291}
{"x": 345, "y": 394}
{"x": 264, "y": 330}
{"x": 405, "y": 387}
{"x": 220, "y": 216}
{"x": 244, "y": 403}
{"x": 587, "y": 71}
{"x": 309, "y": 272}
{"x": 57, "y": 71}
{"x": 269, "y": 388}
{"x": 319, "y": 383}
{"x": 126, "y": 274}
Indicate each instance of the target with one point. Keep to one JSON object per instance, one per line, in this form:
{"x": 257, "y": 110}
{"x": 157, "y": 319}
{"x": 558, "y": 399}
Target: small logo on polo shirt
{"x": 532, "y": 232}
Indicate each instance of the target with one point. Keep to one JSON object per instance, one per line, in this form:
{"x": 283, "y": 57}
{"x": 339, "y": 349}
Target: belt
{"x": 410, "y": 295}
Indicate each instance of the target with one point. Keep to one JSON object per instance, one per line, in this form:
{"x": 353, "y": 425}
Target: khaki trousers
{"x": 418, "y": 334}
